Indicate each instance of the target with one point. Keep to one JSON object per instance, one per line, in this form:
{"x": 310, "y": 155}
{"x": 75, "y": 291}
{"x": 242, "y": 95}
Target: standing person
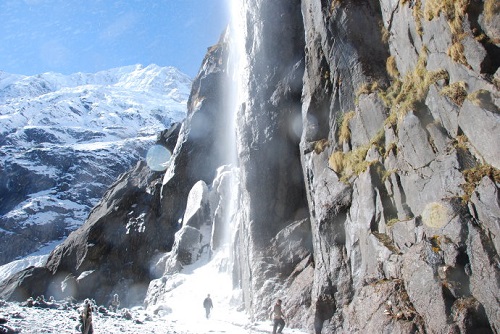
{"x": 115, "y": 303}
{"x": 207, "y": 304}
{"x": 278, "y": 317}
{"x": 86, "y": 318}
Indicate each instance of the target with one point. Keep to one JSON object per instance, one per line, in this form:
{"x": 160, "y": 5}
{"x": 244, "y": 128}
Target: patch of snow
{"x": 73, "y": 135}
{"x": 36, "y": 259}
{"x": 181, "y": 310}
{"x": 84, "y": 274}
{"x": 181, "y": 303}
{"x": 13, "y": 267}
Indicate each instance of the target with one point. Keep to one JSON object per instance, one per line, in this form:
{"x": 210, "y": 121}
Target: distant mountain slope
{"x": 65, "y": 139}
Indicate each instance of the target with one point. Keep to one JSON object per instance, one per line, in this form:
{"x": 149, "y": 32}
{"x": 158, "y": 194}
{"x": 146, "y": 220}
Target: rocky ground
{"x": 64, "y": 318}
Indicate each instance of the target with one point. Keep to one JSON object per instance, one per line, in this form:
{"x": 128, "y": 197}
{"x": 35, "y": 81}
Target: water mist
{"x": 211, "y": 272}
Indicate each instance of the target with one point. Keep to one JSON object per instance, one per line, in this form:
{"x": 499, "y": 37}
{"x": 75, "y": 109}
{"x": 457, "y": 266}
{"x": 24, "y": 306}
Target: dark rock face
{"x": 109, "y": 252}
{"x": 272, "y": 194}
{"x": 199, "y": 150}
{"x": 26, "y": 283}
{"x": 83, "y": 179}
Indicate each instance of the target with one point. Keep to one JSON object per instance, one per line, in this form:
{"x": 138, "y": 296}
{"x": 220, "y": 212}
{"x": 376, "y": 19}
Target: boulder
{"x": 473, "y": 117}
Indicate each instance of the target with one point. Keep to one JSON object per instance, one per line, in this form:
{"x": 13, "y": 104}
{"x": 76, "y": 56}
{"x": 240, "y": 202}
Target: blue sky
{"x": 69, "y": 36}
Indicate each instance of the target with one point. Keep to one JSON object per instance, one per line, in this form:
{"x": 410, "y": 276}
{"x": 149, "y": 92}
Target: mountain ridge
{"x": 65, "y": 138}
{"x": 11, "y": 85}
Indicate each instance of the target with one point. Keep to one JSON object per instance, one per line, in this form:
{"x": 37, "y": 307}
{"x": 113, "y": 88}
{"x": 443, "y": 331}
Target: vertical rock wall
{"x": 272, "y": 188}
{"x": 400, "y": 164}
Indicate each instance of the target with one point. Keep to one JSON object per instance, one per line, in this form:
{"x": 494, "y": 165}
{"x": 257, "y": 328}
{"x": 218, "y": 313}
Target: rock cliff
{"x": 407, "y": 92}
{"x": 380, "y": 211}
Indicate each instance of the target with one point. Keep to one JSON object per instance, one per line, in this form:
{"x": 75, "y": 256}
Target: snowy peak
{"x": 135, "y": 99}
{"x": 152, "y": 78}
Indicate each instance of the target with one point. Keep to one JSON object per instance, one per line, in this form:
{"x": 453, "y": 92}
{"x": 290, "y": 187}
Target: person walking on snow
{"x": 207, "y": 304}
{"x": 278, "y": 317}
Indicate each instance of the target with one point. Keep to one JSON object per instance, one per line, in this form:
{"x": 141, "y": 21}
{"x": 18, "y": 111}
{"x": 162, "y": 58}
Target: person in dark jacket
{"x": 207, "y": 304}
{"x": 278, "y": 317}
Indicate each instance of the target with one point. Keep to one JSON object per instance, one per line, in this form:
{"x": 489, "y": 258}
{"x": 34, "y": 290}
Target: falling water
{"x": 235, "y": 98}
{"x": 183, "y": 293}
{"x": 227, "y": 181}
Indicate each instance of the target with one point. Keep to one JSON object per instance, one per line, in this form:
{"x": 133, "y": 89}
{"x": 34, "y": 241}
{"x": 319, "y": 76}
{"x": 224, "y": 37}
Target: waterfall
{"x": 179, "y": 293}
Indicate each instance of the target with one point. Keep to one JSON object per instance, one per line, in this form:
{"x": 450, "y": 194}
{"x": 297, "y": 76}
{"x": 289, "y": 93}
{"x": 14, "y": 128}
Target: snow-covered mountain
{"x": 65, "y": 138}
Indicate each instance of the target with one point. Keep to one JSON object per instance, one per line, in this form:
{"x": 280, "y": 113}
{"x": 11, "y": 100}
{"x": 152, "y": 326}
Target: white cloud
{"x": 121, "y": 25}
{"x": 55, "y": 54}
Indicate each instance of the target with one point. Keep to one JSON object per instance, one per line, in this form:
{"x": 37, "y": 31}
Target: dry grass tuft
{"x": 454, "y": 12}
{"x": 356, "y": 160}
{"x": 496, "y": 83}
{"x": 407, "y": 94}
{"x": 435, "y": 241}
{"x": 392, "y": 222}
{"x": 392, "y": 68}
{"x": 336, "y": 162}
{"x": 384, "y": 32}
{"x": 392, "y": 147}
{"x": 457, "y": 92}
{"x": 379, "y": 141}
{"x": 334, "y": 4}
{"x": 387, "y": 242}
{"x": 350, "y": 163}
{"x": 321, "y": 145}
{"x": 368, "y": 88}
{"x": 461, "y": 142}
{"x": 491, "y": 9}
{"x": 474, "y": 175}
{"x": 435, "y": 76}
{"x": 417, "y": 14}
{"x": 456, "y": 52}
{"x": 345, "y": 132}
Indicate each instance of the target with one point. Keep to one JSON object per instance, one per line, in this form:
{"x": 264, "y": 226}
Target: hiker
{"x": 115, "y": 303}
{"x": 29, "y": 302}
{"x": 278, "y": 317}
{"x": 86, "y": 318}
{"x": 207, "y": 304}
